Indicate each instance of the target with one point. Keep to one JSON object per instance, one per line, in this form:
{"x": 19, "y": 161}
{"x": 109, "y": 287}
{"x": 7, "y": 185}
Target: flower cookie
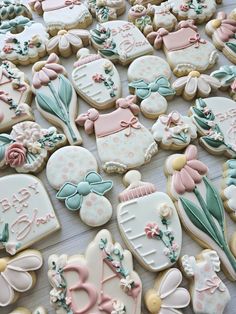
{"x": 23, "y": 310}
{"x": 123, "y": 142}
{"x": 149, "y": 223}
{"x": 215, "y": 118}
{"x": 22, "y": 41}
{"x": 9, "y": 9}
{"x": 55, "y": 97}
{"x": 185, "y": 50}
{"x": 120, "y": 41}
{"x": 110, "y": 287}
{"x": 199, "y": 206}
{"x": 28, "y": 145}
{"x": 96, "y": 80}
{"x": 167, "y": 296}
{"x": 66, "y": 43}
{"x": 15, "y": 95}
{"x": 209, "y": 294}
{"x": 17, "y": 276}
{"x": 174, "y": 131}
{"x": 223, "y": 33}
{"x": 105, "y": 10}
{"x": 149, "y": 80}
{"x": 229, "y": 187}
{"x": 62, "y": 14}
{"x": 226, "y": 74}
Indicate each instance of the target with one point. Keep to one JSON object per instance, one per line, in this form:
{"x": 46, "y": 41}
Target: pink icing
{"x": 15, "y": 155}
{"x": 187, "y": 24}
{"x": 87, "y": 120}
{"x": 156, "y": 38}
{"x": 87, "y": 59}
{"x": 180, "y": 39}
{"x": 139, "y": 191}
{"x": 171, "y": 118}
{"x": 136, "y": 14}
{"x": 227, "y": 29}
{"x": 4, "y": 96}
{"x": 49, "y": 5}
{"x": 128, "y": 102}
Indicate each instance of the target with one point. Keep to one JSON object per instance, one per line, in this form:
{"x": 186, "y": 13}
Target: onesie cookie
{"x": 56, "y": 13}
{"x": 162, "y": 16}
{"x": 17, "y": 276}
{"x": 123, "y": 142}
{"x": 106, "y": 10}
{"x": 66, "y": 43}
{"x": 149, "y": 80}
{"x": 229, "y": 187}
{"x": 185, "y": 50}
{"x": 215, "y": 118}
{"x": 27, "y": 214}
{"x": 110, "y": 287}
{"x": 167, "y": 296}
{"x": 22, "y": 41}
{"x": 199, "y": 206}
{"x": 55, "y": 97}
{"x": 149, "y": 223}
{"x": 120, "y": 41}
{"x": 195, "y": 85}
{"x": 23, "y": 310}
{"x": 96, "y": 80}
{"x": 209, "y": 294}
{"x": 223, "y": 32}
{"x": 226, "y": 74}
{"x": 27, "y": 147}
{"x": 15, "y": 97}
{"x": 9, "y": 9}
{"x": 174, "y": 131}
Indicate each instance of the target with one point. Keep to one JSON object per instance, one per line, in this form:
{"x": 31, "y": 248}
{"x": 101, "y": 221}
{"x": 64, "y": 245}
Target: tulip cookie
{"x": 15, "y": 95}
{"x": 229, "y": 187}
{"x": 227, "y": 78}
{"x": 174, "y": 131}
{"x": 105, "y": 10}
{"x": 55, "y": 98}
{"x": 17, "y": 276}
{"x": 223, "y": 32}
{"x": 149, "y": 223}
{"x": 23, "y": 310}
{"x": 96, "y": 80}
{"x": 9, "y": 9}
{"x": 167, "y": 296}
{"x": 185, "y": 49}
{"x": 199, "y": 206}
{"x": 215, "y": 119}
{"x": 110, "y": 287}
{"x": 149, "y": 80}
{"x": 120, "y": 41}
{"x": 123, "y": 142}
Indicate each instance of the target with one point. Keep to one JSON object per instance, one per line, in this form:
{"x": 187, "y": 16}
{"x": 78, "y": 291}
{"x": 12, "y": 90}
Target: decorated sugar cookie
{"x": 56, "y": 13}
{"x": 215, "y": 118}
{"x": 15, "y": 96}
{"x": 123, "y": 142}
{"x": 9, "y": 9}
{"x": 174, "y": 131}
{"x": 55, "y": 97}
{"x": 199, "y": 206}
{"x": 105, "y": 10}
{"x": 23, "y": 310}
{"x": 185, "y": 50}
{"x": 229, "y": 187}
{"x": 16, "y": 275}
{"x": 66, "y": 43}
{"x": 27, "y": 214}
{"x": 110, "y": 287}
{"x": 149, "y": 223}
{"x": 144, "y": 2}
{"x": 226, "y": 74}
{"x": 208, "y": 292}
{"x": 139, "y": 15}
{"x": 22, "y": 41}
{"x": 162, "y": 16}
{"x": 167, "y": 296}
{"x": 149, "y": 80}
{"x": 96, "y": 80}
{"x": 27, "y": 147}
{"x": 120, "y": 41}
{"x": 223, "y": 32}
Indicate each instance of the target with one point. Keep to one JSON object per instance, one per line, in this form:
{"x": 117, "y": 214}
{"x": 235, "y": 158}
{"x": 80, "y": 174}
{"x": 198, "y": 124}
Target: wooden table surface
{"x": 74, "y": 236}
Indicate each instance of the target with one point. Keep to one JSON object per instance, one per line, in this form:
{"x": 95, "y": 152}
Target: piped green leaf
{"x": 108, "y": 52}
{"x": 65, "y": 91}
{"x": 211, "y": 142}
{"x": 202, "y": 123}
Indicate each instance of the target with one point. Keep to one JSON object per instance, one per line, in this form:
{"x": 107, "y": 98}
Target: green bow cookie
{"x": 12, "y": 25}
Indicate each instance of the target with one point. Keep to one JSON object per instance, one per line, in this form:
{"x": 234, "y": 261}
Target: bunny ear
{"x": 170, "y": 282}
{"x": 7, "y": 293}
{"x": 19, "y": 280}
{"x": 27, "y": 261}
{"x": 179, "y": 299}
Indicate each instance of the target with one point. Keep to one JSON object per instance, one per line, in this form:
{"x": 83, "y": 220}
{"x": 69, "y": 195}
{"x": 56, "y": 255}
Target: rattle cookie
{"x": 105, "y": 10}
{"x": 23, "y": 310}
{"x": 9, "y": 9}
{"x": 226, "y": 75}
{"x": 199, "y": 206}
{"x": 110, "y": 287}
{"x": 149, "y": 223}
{"x": 228, "y": 192}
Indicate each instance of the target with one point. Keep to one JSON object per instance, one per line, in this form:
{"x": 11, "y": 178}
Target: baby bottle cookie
{"x": 110, "y": 287}
{"x": 149, "y": 80}
{"x": 15, "y": 97}
{"x": 209, "y": 294}
{"x": 123, "y": 142}
{"x": 149, "y": 223}
{"x": 96, "y": 80}
{"x": 229, "y": 187}
{"x": 200, "y": 206}
{"x": 185, "y": 49}
{"x": 23, "y": 310}
{"x": 9, "y": 9}
{"x": 226, "y": 75}
{"x": 55, "y": 97}
{"x": 105, "y": 10}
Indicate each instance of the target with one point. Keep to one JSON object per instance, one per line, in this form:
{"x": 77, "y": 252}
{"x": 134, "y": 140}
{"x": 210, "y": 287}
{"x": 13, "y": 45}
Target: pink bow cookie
{"x": 87, "y": 120}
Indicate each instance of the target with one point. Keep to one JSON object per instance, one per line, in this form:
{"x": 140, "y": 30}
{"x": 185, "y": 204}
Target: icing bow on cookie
{"x": 73, "y": 194}
{"x": 10, "y": 26}
{"x": 171, "y": 118}
{"x": 128, "y": 103}
{"x": 87, "y": 120}
{"x": 225, "y": 28}
{"x": 187, "y": 24}
{"x": 197, "y": 40}
{"x": 156, "y": 38}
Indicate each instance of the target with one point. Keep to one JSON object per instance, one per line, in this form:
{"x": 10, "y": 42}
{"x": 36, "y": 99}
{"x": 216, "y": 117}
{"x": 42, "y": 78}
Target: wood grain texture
{"x": 74, "y": 236}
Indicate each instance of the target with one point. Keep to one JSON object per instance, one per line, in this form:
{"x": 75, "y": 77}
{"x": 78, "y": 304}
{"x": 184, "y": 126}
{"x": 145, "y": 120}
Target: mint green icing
{"x": 232, "y": 46}
{"x": 226, "y": 74}
{"x": 9, "y": 9}
{"x": 13, "y": 25}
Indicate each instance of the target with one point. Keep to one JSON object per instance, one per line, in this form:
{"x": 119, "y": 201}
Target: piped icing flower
{"x": 15, "y": 155}
{"x": 225, "y": 27}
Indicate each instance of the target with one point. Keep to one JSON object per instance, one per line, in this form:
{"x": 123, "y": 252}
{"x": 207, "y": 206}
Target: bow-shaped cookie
{"x": 73, "y": 194}
{"x": 11, "y": 26}
{"x": 161, "y": 85}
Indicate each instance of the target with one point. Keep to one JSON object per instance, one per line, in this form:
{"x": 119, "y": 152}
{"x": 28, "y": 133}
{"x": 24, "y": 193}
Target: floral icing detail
{"x": 104, "y": 10}
{"x": 196, "y": 5}
{"x": 118, "y": 307}
{"x": 227, "y": 77}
